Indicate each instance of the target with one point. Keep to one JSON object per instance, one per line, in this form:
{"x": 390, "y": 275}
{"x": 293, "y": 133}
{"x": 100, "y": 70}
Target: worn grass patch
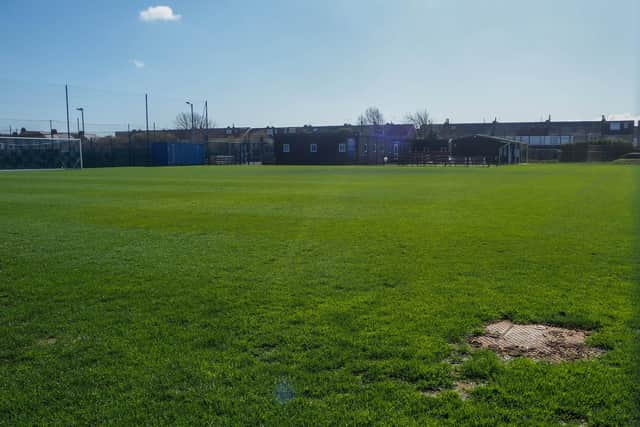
{"x": 540, "y": 342}
{"x": 314, "y": 295}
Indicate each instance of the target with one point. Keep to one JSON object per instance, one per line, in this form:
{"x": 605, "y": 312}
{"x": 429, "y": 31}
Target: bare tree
{"x": 371, "y": 116}
{"x": 422, "y": 122}
{"x": 183, "y": 121}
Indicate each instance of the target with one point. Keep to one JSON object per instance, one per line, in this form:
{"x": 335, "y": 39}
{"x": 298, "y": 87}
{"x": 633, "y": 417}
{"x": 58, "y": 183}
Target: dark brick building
{"x": 341, "y": 145}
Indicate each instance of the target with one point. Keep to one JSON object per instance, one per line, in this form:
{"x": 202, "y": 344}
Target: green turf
{"x": 214, "y": 294}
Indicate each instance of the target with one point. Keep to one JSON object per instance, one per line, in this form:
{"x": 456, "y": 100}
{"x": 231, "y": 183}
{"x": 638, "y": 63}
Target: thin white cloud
{"x": 137, "y": 63}
{"x": 158, "y": 13}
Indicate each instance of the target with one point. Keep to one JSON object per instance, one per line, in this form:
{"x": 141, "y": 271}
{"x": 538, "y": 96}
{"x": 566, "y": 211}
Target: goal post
{"x": 40, "y": 153}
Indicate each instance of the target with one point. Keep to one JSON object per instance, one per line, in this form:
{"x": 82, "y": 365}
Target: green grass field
{"x": 208, "y": 294}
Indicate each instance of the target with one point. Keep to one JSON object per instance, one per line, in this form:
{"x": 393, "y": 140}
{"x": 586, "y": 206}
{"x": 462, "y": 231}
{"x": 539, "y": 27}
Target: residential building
{"x": 544, "y": 133}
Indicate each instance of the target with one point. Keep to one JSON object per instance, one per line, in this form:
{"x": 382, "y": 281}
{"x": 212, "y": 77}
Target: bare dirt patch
{"x": 539, "y": 342}
{"x": 462, "y": 389}
{"x": 51, "y": 340}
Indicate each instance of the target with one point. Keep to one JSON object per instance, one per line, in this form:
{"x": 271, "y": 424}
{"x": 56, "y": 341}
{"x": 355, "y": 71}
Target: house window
{"x": 313, "y": 148}
{"x": 285, "y": 148}
{"x": 395, "y": 148}
{"x": 342, "y": 148}
{"x": 375, "y": 148}
{"x": 365, "y": 148}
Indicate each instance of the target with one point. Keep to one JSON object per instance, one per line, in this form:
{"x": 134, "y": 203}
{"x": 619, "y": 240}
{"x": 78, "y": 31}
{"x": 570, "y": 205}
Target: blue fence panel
{"x": 159, "y": 155}
{"x": 174, "y": 154}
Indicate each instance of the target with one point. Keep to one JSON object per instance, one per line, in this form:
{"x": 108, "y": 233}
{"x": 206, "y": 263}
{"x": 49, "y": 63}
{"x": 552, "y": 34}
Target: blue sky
{"x": 287, "y": 62}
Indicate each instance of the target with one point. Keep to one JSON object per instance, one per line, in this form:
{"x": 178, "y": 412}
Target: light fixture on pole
{"x": 192, "y": 119}
{"x": 81, "y": 109}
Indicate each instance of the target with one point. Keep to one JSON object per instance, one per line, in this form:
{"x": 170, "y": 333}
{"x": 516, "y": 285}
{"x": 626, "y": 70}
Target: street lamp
{"x": 192, "y": 119}
{"x": 192, "y": 122}
{"x": 81, "y": 109}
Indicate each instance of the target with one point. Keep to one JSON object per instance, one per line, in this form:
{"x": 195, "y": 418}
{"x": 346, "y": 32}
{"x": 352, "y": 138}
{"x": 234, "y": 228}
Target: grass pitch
{"x": 314, "y": 295}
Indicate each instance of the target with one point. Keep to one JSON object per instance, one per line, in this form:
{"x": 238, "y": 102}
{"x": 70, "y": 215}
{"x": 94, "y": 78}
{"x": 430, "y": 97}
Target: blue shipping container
{"x": 174, "y": 154}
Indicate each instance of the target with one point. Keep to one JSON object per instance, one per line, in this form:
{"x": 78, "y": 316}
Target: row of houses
{"x": 546, "y": 133}
{"x": 340, "y": 144}
{"x": 494, "y": 142}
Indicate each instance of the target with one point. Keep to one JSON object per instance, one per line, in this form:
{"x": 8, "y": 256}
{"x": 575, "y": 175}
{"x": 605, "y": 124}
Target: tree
{"x": 421, "y": 120}
{"x": 371, "y": 116}
{"x": 183, "y": 121}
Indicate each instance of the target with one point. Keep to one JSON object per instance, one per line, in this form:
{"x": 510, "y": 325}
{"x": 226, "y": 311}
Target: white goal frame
{"x": 9, "y": 142}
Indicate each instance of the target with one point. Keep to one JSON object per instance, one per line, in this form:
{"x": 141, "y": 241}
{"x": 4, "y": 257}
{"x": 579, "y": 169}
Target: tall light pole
{"x": 81, "y": 109}
{"x": 66, "y": 94}
{"x": 206, "y": 120}
{"x": 80, "y": 144}
{"x": 192, "y": 120}
{"x": 146, "y": 114}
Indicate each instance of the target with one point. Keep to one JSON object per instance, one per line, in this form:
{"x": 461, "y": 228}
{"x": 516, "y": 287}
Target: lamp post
{"x": 81, "y": 109}
{"x": 192, "y": 119}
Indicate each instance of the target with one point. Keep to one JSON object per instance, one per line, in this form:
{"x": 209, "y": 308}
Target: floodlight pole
{"x": 81, "y": 161}
{"x": 81, "y": 109}
{"x": 146, "y": 111}
{"x": 206, "y": 132}
{"x": 66, "y": 92}
{"x": 129, "y": 143}
{"x": 192, "y": 120}
{"x": 79, "y": 143}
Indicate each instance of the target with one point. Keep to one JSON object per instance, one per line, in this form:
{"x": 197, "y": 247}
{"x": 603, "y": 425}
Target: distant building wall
{"x": 342, "y": 144}
{"x": 543, "y": 133}
{"x": 316, "y": 149}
